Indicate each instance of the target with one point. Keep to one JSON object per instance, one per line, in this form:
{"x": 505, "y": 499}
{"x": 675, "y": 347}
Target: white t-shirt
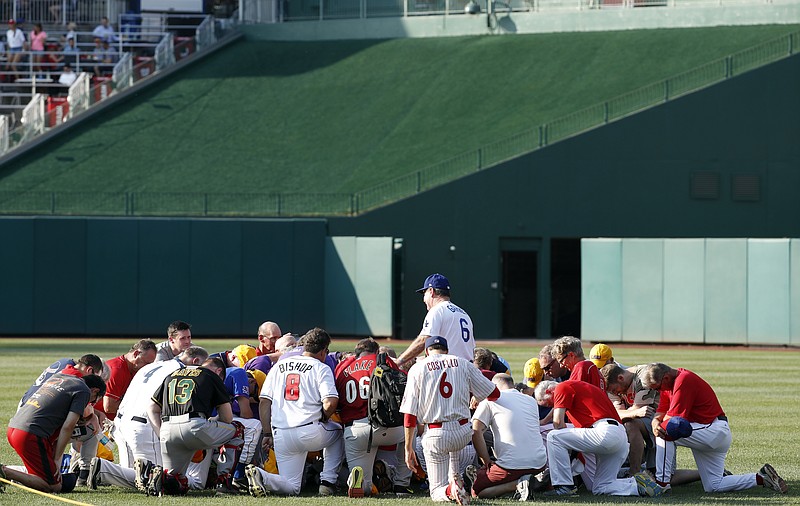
{"x": 514, "y": 422}
{"x": 447, "y": 320}
{"x": 67, "y": 78}
{"x": 145, "y": 382}
{"x": 438, "y": 388}
{"x": 296, "y": 387}
{"x": 15, "y": 39}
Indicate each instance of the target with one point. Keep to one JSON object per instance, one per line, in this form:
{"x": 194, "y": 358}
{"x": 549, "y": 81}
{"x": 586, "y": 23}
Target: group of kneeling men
{"x": 258, "y": 412}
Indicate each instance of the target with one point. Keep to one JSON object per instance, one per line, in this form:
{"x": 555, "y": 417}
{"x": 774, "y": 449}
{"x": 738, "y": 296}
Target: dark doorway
{"x": 565, "y": 286}
{"x": 519, "y": 293}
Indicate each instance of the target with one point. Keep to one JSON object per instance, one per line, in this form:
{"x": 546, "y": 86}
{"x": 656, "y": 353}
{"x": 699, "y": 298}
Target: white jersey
{"x": 514, "y": 422}
{"x": 296, "y": 387}
{"x": 447, "y": 320}
{"x": 438, "y": 388}
{"x": 137, "y": 398}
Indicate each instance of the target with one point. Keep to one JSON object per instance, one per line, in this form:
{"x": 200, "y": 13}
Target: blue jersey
{"x": 237, "y": 385}
{"x": 56, "y": 367}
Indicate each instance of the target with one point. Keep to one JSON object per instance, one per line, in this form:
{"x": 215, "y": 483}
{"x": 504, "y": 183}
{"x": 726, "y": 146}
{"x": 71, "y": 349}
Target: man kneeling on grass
{"x": 42, "y": 428}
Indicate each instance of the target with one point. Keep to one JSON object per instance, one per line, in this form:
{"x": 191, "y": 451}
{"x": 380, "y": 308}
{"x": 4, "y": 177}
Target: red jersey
{"x": 118, "y": 381}
{"x": 352, "y": 382}
{"x": 691, "y": 398}
{"x": 585, "y": 403}
{"x": 585, "y": 370}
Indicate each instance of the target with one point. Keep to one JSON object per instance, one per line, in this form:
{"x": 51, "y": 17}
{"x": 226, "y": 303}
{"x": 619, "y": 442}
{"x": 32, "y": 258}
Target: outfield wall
{"x": 744, "y": 291}
{"x": 720, "y": 163}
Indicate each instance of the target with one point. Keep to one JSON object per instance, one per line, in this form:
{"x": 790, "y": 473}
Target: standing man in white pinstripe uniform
{"x": 437, "y": 396}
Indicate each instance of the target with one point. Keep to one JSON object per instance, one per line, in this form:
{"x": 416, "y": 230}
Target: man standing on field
{"x": 444, "y": 319}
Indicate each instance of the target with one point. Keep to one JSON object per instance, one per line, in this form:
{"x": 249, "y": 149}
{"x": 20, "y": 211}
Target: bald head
{"x": 503, "y": 381}
{"x": 268, "y": 334}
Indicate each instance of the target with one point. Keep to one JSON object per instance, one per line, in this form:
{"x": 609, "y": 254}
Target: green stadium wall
{"x": 648, "y": 176}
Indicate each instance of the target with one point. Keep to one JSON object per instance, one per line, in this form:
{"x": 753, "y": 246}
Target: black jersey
{"x": 190, "y": 390}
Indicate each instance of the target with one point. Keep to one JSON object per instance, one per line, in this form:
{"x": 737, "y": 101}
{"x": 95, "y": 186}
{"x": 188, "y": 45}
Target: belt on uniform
{"x": 723, "y": 418}
{"x": 348, "y": 424}
{"x": 610, "y": 422}
{"x": 183, "y": 418}
{"x": 295, "y": 427}
{"x": 139, "y": 419}
{"x": 438, "y": 425}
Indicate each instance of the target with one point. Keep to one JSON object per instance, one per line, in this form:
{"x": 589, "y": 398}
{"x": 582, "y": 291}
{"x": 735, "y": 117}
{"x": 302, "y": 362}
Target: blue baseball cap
{"x": 435, "y": 281}
{"x": 435, "y": 340}
{"x": 678, "y": 427}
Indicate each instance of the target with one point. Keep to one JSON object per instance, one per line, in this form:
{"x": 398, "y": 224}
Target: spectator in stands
{"x": 38, "y": 37}
{"x": 104, "y": 31}
{"x": 70, "y": 52}
{"x": 68, "y": 76}
{"x": 15, "y": 44}
{"x": 71, "y": 32}
{"x": 106, "y": 56}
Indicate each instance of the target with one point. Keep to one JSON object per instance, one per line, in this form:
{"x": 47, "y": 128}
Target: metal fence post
{"x": 419, "y": 181}
{"x": 666, "y": 90}
{"x": 279, "y": 203}
{"x": 541, "y": 136}
{"x": 480, "y": 158}
{"x": 791, "y": 43}
{"x": 605, "y": 111}
{"x": 728, "y": 66}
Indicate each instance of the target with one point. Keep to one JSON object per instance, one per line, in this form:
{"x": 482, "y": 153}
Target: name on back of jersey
{"x": 293, "y": 366}
{"x": 455, "y": 309}
{"x": 185, "y": 372}
{"x": 367, "y": 365}
{"x": 436, "y": 365}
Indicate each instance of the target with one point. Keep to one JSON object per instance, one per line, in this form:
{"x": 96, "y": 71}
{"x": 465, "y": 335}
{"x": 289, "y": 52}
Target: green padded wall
{"x": 794, "y": 295}
{"x": 768, "y": 317}
{"x": 726, "y": 291}
{"x": 358, "y": 281}
{"x": 601, "y": 290}
{"x": 16, "y": 272}
{"x": 642, "y": 289}
{"x": 684, "y": 263}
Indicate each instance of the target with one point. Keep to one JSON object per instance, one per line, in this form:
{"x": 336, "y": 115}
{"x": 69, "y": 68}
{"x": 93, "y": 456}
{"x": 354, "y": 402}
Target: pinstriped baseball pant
{"x": 441, "y": 448}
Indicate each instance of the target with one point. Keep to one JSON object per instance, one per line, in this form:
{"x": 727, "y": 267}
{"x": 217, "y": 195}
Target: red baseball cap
{"x": 12, "y": 22}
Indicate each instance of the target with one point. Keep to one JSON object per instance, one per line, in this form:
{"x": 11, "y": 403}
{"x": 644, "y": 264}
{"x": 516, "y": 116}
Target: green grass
{"x": 342, "y": 116}
{"x": 757, "y": 388}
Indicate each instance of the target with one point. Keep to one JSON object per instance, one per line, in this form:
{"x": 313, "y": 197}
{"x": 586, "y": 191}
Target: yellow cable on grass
{"x": 45, "y": 494}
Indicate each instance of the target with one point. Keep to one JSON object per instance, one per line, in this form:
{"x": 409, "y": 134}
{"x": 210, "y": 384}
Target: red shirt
{"x": 71, "y": 371}
{"x": 119, "y": 379}
{"x": 352, "y": 382}
{"x": 585, "y": 403}
{"x": 691, "y": 398}
{"x": 585, "y": 370}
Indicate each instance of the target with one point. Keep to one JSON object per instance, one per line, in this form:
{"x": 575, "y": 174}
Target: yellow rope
{"x": 45, "y": 494}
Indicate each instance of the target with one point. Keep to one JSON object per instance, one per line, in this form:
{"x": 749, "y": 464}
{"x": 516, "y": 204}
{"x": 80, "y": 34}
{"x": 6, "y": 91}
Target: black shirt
{"x": 190, "y": 390}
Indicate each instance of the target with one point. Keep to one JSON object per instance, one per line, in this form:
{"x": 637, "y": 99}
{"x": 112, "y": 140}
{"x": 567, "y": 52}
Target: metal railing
{"x": 61, "y": 12}
{"x": 274, "y": 11}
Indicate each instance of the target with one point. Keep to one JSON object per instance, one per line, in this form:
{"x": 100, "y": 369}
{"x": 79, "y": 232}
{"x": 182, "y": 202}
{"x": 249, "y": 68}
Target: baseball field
{"x": 758, "y": 389}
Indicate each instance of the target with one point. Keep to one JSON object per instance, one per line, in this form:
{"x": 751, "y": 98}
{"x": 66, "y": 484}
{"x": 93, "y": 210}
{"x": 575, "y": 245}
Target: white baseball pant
{"x": 136, "y": 439}
{"x": 291, "y": 447}
{"x": 608, "y": 442}
{"x": 709, "y": 444}
{"x": 252, "y": 438}
{"x": 114, "y": 474}
{"x": 356, "y": 446}
{"x": 442, "y": 450}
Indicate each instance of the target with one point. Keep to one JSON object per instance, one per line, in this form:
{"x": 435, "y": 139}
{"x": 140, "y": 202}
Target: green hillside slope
{"x": 342, "y": 116}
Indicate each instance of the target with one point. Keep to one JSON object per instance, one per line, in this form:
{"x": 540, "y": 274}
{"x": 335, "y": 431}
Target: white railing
{"x": 78, "y": 96}
{"x": 204, "y": 35}
{"x": 33, "y": 117}
{"x": 123, "y": 72}
{"x": 5, "y": 123}
{"x": 61, "y": 12}
{"x": 165, "y": 52}
{"x": 28, "y": 115}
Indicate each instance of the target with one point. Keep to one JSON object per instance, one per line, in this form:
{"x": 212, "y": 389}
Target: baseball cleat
{"x": 142, "y": 468}
{"x": 255, "y": 484}
{"x": 772, "y": 479}
{"x": 155, "y": 483}
{"x": 648, "y": 487}
{"x": 402, "y": 491}
{"x": 354, "y": 482}
{"x": 470, "y": 475}
{"x": 458, "y": 492}
{"x": 523, "y": 488}
{"x": 563, "y": 490}
{"x": 93, "y": 479}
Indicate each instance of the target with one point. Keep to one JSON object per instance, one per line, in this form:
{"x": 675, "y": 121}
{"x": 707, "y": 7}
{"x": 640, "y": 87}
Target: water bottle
{"x": 106, "y": 441}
